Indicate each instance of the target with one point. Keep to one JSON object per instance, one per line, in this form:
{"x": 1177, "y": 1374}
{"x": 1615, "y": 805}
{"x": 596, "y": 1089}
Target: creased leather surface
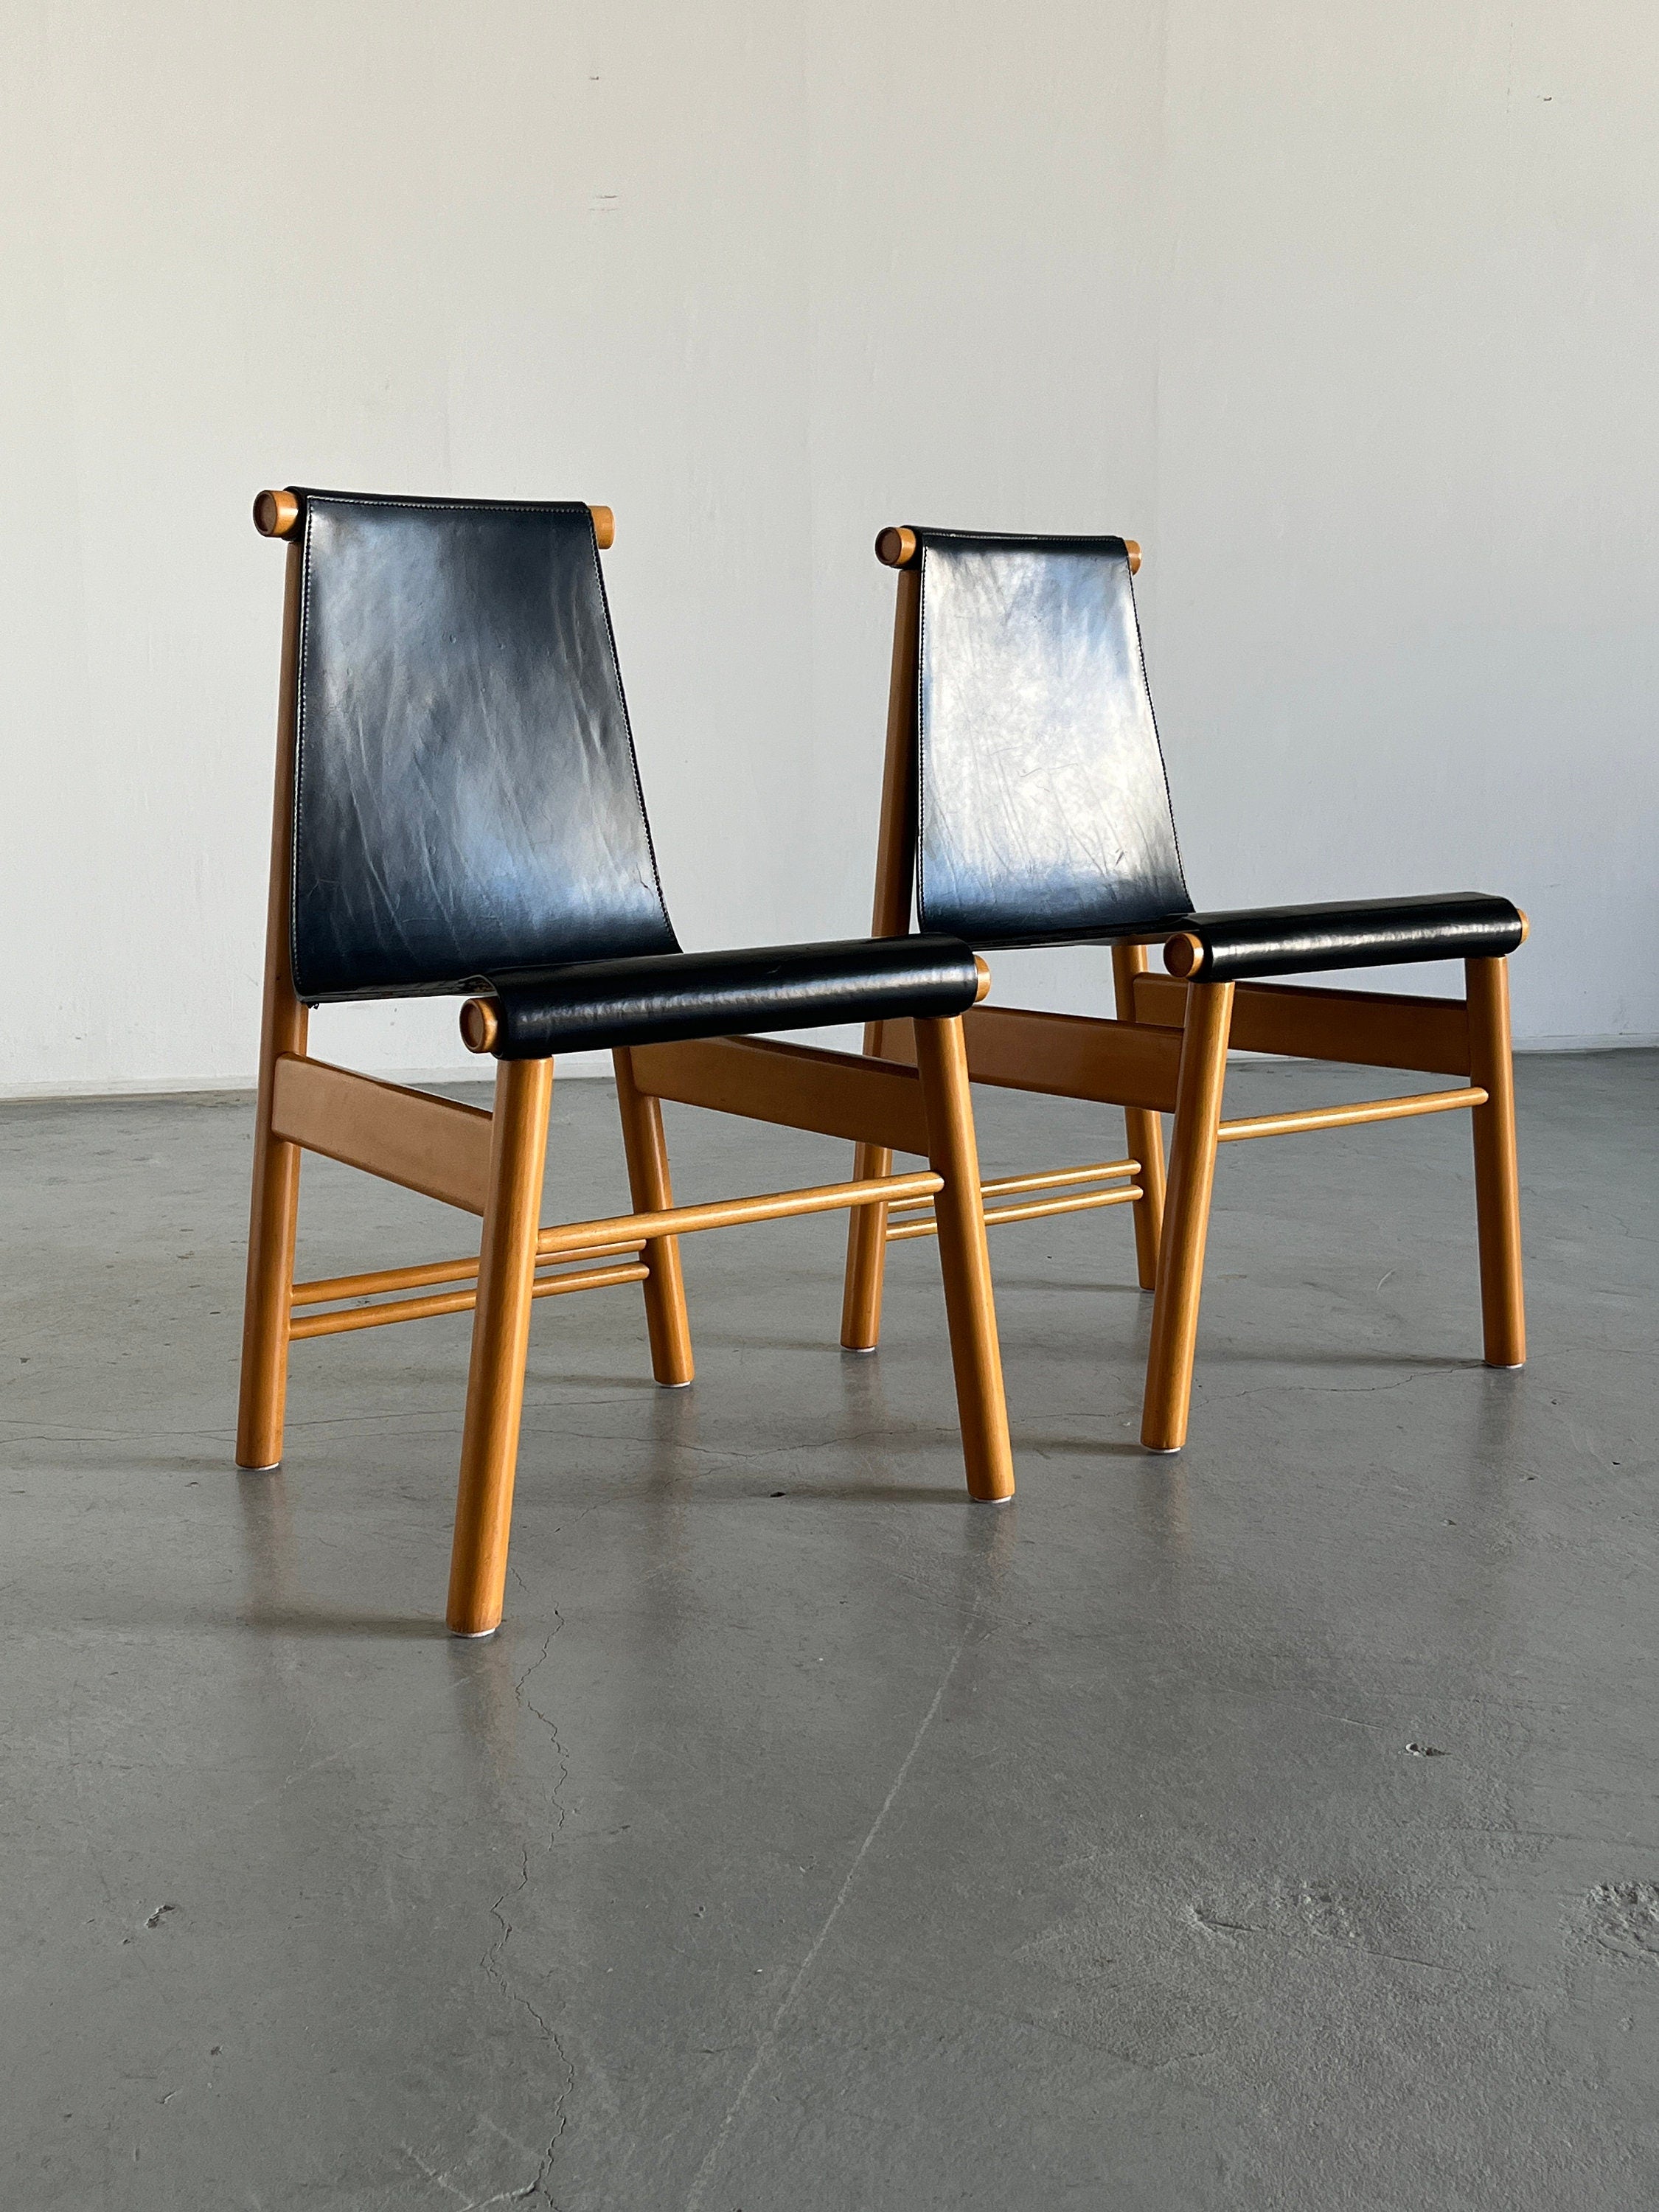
{"x": 1043, "y": 809}
{"x": 664, "y": 999}
{"x": 466, "y": 797}
{"x": 1299, "y": 940}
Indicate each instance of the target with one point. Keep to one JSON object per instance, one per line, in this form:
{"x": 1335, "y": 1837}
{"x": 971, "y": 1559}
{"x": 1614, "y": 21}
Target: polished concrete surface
{"x": 1275, "y": 1826}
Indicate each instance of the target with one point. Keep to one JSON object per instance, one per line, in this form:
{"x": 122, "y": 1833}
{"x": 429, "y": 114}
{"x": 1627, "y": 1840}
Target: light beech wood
{"x": 964, "y": 1261}
{"x": 1497, "y": 1178}
{"x": 835, "y": 1094}
{"x": 896, "y": 850}
{"x": 434, "y": 1145}
{"x": 327, "y": 1291}
{"x": 1346, "y": 1117}
{"x": 276, "y": 514}
{"x": 1073, "y": 1056}
{"x": 276, "y": 1200}
{"x": 1086, "y": 1204}
{"x": 480, "y": 1024}
{"x": 1186, "y": 1217}
{"x": 395, "y": 1310}
{"x": 1050, "y": 1179}
{"x": 1362, "y": 1029}
{"x": 651, "y": 1190}
{"x": 734, "y": 1212}
{"x": 1183, "y": 954}
{"x": 1143, "y": 1129}
{"x": 896, "y": 548}
{"x": 501, "y": 1339}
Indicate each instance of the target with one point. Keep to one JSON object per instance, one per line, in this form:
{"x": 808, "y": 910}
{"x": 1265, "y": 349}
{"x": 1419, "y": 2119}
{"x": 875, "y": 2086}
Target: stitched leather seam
{"x": 1157, "y": 736}
{"x": 627, "y": 731}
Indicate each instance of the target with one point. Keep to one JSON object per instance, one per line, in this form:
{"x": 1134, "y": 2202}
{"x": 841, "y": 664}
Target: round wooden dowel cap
{"x": 1183, "y": 954}
{"x": 605, "y": 527}
{"x": 984, "y": 974}
{"x": 480, "y": 1024}
{"x": 895, "y": 547}
{"x": 274, "y": 514}
{"x": 1526, "y": 927}
{"x": 1132, "y": 547}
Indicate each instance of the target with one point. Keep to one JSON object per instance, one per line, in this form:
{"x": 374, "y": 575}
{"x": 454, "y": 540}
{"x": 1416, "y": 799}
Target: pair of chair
{"x": 457, "y": 810}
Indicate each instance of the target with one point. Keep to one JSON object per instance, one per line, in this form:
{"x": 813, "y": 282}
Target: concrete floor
{"x": 1271, "y": 1827}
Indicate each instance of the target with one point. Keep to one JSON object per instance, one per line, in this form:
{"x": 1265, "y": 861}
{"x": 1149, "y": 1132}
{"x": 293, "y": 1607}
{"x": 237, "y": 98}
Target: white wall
{"x": 1349, "y": 313}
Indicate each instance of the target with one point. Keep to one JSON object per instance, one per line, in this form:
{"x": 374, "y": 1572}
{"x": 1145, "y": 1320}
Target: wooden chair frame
{"x": 1166, "y": 1053}
{"x": 492, "y": 1165}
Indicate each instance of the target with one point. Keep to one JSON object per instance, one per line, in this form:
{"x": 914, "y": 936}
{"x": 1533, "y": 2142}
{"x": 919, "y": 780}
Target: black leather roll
{"x": 1300, "y": 940}
{"x": 664, "y": 999}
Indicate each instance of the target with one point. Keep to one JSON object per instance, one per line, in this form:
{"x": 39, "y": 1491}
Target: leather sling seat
{"x": 668, "y": 998}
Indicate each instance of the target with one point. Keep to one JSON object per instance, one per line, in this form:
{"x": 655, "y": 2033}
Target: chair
{"x": 1024, "y": 798}
{"x": 457, "y": 812}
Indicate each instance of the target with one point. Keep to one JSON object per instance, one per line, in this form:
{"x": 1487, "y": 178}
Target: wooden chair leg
{"x": 1497, "y": 1183}
{"x": 1186, "y": 1216}
{"x": 866, "y": 1257}
{"x": 1142, "y": 1131}
{"x": 273, "y": 1217}
{"x": 965, "y": 1261}
{"x": 501, "y": 1340}
{"x": 649, "y": 1180}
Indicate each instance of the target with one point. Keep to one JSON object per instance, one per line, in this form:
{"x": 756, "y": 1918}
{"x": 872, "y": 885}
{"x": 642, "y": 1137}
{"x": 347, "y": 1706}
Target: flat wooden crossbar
{"x": 434, "y": 1145}
{"x": 1367, "y": 1029}
{"x": 1089, "y": 1202}
{"x": 1062, "y": 1055}
{"x": 799, "y": 1087}
{"x": 1343, "y": 1117}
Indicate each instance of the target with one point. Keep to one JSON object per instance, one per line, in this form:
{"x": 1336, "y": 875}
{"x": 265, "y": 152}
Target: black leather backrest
{"x": 466, "y": 796}
{"x": 1044, "y": 806}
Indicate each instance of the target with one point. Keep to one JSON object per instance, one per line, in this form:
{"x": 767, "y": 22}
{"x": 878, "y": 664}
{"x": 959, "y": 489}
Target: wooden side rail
{"x": 328, "y": 1291}
{"x": 434, "y": 1145}
{"x": 799, "y": 1087}
{"x": 732, "y": 1212}
{"x": 1050, "y": 1179}
{"x": 1366, "y": 1029}
{"x": 1345, "y": 1117}
{"x": 1035, "y": 1210}
{"x": 380, "y": 1316}
{"x": 1063, "y": 1056}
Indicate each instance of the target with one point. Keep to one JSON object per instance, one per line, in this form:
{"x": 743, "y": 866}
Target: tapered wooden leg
{"x": 867, "y": 1225}
{"x": 1186, "y": 1216}
{"x": 965, "y": 1261}
{"x": 866, "y": 1257}
{"x": 501, "y": 1340}
{"x": 649, "y": 1180}
{"x": 1142, "y": 1131}
{"x": 1497, "y": 1183}
{"x": 273, "y": 1218}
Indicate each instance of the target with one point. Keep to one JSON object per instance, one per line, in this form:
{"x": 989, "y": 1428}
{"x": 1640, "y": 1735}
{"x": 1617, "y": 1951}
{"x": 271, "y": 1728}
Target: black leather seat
{"x": 1044, "y": 807}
